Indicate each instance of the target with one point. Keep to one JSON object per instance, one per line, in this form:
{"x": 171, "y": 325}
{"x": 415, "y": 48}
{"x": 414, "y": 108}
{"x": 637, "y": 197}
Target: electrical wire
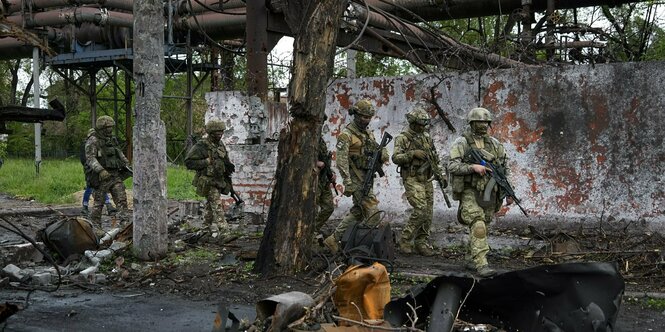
{"x": 202, "y": 31}
{"x": 48, "y": 257}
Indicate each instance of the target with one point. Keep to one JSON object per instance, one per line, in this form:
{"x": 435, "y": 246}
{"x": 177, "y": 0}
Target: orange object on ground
{"x": 362, "y": 292}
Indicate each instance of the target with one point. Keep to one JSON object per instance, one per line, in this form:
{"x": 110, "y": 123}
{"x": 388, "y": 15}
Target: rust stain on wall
{"x": 516, "y": 130}
{"x": 490, "y": 98}
{"x": 569, "y": 179}
{"x": 343, "y": 98}
{"x": 410, "y": 90}
{"x": 386, "y": 89}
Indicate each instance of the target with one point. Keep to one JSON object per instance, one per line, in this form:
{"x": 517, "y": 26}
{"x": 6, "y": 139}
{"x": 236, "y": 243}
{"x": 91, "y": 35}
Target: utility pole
{"x": 150, "y": 204}
{"x": 37, "y": 104}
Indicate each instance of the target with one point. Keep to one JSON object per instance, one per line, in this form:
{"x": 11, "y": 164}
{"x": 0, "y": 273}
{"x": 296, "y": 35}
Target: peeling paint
{"x": 581, "y": 140}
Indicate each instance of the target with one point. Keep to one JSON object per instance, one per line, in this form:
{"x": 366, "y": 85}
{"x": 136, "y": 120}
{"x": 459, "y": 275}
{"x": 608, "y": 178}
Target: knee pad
{"x": 479, "y": 230}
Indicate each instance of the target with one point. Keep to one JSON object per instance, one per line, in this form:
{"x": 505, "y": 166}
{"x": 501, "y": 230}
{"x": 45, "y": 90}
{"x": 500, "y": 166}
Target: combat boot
{"x": 425, "y": 249}
{"x": 485, "y": 271}
{"x": 405, "y": 246}
{"x": 84, "y": 210}
{"x": 331, "y": 243}
{"x": 110, "y": 210}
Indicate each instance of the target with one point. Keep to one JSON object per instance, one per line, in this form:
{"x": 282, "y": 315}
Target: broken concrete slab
{"x": 17, "y": 253}
{"x": 13, "y": 272}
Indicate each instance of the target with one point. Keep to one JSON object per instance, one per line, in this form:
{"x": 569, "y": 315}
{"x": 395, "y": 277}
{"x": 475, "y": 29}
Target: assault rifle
{"x": 498, "y": 175}
{"x": 230, "y": 168}
{"x": 328, "y": 172}
{"x": 375, "y": 165}
{"x": 436, "y": 170}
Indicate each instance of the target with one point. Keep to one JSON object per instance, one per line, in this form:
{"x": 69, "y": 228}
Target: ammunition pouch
{"x": 202, "y": 184}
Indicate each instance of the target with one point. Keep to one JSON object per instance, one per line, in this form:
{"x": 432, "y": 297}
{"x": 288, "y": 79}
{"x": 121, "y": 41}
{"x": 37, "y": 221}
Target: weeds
{"x": 59, "y": 179}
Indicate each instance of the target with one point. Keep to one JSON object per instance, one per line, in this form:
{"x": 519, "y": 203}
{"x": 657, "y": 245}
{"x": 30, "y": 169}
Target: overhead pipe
{"x": 73, "y": 16}
{"x": 15, "y": 6}
{"x": 414, "y": 31}
{"x": 215, "y": 25}
{"x": 12, "y": 48}
{"x": 436, "y": 10}
{"x": 200, "y": 6}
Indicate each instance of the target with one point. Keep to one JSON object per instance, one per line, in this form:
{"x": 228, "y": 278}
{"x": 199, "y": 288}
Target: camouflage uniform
{"x": 417, "y": 159}
{"x": 105, "y": 169}
{"x": 355, "y": 144}
{"x": 209, "y": 158}
{"x": 324, "y": 199}
{"x": 469, "y": 187}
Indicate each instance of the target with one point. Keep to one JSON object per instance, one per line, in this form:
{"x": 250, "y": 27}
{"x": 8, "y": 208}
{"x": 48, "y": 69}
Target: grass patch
{"x": 658, "y": 304}
{"x": 193, "y": 256}
{"x": 59, "y": 179}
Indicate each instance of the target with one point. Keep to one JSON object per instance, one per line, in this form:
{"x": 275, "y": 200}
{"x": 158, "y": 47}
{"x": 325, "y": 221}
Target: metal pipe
{"x": 445, "y": 307}
{"x": 215, "y": 25}
{"x": 79, "y": 15}
{"x": 197, "y": 7}
{"x": 15, "y": 6}
{"x": 432, "y": 10}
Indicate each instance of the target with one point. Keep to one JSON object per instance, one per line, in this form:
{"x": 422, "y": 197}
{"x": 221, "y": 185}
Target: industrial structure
{"x": 91, "y": 40}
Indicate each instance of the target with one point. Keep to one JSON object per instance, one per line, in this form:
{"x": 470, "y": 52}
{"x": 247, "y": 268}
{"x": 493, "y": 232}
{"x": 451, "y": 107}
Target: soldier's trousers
{"x": 360, "y": 211}
{"x": 477, "y": 219}
{"x": 324, "y": 200}
{"x": 116, "y": 188}
{"x": 214, "y": 211}
{"x": 419, "y": 193}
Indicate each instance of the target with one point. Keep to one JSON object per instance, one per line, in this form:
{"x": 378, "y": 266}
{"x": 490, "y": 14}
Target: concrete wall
{"x": 584, "y": 141}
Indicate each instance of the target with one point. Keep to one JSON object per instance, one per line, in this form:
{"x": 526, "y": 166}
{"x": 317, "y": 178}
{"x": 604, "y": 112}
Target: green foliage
{"x": 192, "y": 256}
{"x": 56, "y": 182}
{"x": 179, "y": 183}
{"x": 3, "y": 149}
{"x": 653, "y": 303}
{"x": 59, "y": 180}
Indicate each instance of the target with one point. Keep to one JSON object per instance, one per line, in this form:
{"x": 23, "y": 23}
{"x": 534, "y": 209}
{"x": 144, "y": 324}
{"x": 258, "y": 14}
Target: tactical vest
{"x": 215, "y": 174}
{"x": 108, "y": 154}
{"x": 361, "y": 148}
{"x": 474, "y": 180}
{"x": 418, "y": 167}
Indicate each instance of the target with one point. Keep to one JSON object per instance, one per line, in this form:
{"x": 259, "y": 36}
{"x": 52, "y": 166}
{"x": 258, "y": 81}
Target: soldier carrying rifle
{"x": 357, "y": 151}
{"x": 209, "y": 158}
{"x": 418, "y": 162}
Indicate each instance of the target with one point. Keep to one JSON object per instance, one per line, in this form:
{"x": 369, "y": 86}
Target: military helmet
{"x": 479, "y": 114}
{"x": 362, "y": 107}
{"x": 215, "y": 125}
{"x": 104, "y": 121}
{"x": 418, "y": 116}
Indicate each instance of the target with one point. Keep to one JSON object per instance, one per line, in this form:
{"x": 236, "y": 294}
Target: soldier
{"x": 418, "y": 163}
{"x": 469, "y": 185}
{"x": 106, "y": 169}
{"x": 355, "y": 146}
{"x": 324, "y": 198}
{"x": 209, "y": 158}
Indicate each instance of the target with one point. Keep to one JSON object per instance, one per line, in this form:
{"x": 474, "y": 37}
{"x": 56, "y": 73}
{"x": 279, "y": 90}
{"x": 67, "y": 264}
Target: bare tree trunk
{"x": 287, "y": 238}
{"x": 150, "y": 215}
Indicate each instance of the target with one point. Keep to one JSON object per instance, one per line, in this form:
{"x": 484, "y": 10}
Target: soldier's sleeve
{"x": 401, "y": 156}
{"x": 343, "y": 141}
{"x": 456, "y": 165}
{"x": 122, "y": 156}
{"x": 196, "y": 158}
{"x": 91, "y": 154}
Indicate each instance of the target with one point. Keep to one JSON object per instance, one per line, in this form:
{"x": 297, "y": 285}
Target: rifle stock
{"x": 498, "y": 176}
{"x": 375, "y": 165}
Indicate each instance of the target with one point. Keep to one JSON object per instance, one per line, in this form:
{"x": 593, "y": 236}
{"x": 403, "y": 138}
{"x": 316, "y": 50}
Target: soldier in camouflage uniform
{"x": 324, "y": 198}
{"x": 209, "y": 158}
{"x": 418, "y": 162}
{"x": 355, "y": 146}
{"x": 106, "y": 169}
{"x": 470, "y": 185}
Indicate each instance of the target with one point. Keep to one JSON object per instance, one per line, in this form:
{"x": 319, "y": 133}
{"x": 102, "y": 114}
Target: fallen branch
{"x": 376, "y": 327}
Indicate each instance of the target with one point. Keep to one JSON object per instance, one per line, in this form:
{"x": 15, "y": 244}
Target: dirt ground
{"x": 181, "y": 292}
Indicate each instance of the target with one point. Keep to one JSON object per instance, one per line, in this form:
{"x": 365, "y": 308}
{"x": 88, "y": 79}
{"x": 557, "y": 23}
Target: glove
{"x": 419, "y": 154}
{"x": 104, "y": 175}
{"x": 349, "y": 188}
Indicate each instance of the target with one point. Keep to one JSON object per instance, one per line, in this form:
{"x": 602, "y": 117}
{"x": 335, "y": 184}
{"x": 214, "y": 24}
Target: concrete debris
{"x": 13, "y": 272}
{"x": 17, "y": 253}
